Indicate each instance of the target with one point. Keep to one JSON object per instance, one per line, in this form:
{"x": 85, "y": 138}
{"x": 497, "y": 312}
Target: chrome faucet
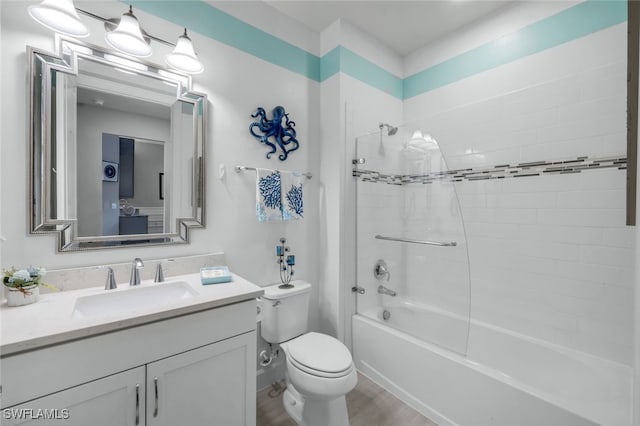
{"x": 159, "y": 274}
{"x": 111, "y": 280}
{"x": 383, "y": 290}
{"x": 136, "y": 265}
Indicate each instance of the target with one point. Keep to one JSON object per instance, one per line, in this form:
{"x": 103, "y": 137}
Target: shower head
{"x": 391, "y": 130}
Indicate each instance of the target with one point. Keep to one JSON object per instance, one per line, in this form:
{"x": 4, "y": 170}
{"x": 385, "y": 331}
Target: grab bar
{"x": 412, "y": 241}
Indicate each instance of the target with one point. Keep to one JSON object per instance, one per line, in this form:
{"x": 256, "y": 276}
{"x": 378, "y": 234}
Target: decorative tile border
{"x": 503, "y": 171}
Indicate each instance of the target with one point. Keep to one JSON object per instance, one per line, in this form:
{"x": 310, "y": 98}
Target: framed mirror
{"x": 116, "y": 149}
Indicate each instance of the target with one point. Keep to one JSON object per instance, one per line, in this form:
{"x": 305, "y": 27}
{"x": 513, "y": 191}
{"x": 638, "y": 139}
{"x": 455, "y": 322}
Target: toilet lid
{"x": 274, "y": 292}
{"x": 320, "y": 353}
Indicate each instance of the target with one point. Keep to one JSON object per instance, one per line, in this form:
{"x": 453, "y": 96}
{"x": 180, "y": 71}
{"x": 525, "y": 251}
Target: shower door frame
{"x": 352, "y": 309}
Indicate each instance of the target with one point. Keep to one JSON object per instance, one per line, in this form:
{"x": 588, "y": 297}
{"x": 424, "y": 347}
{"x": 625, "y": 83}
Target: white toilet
{"x": 319, "y": 368}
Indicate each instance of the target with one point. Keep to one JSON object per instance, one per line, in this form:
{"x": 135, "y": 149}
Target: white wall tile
{"x": 618, "y": 237}
{"x": 595, "y": 199}
{"x": 579, "y": 217}
{"x": 514, "y": 200}
{"x": 607, "y": 79}
{"x": 613, "y": 256}
{"x": 571, "y": 234}
{"x": 611, "y": 275}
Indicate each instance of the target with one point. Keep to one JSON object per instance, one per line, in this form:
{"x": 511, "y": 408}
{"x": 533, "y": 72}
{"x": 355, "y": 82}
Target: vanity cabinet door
{"x": 211, "y": 385}
{"x": 113, "y": 400}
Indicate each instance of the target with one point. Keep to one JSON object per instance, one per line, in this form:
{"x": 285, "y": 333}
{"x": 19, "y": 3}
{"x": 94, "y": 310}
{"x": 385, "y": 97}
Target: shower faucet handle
{"x": 380, "y": 270}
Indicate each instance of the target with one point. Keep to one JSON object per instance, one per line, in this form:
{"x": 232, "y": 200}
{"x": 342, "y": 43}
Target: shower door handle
{"x": 357, "y": 289}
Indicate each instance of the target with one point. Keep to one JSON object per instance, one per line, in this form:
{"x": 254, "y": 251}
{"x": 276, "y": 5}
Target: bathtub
{"x": 505, "y": 378}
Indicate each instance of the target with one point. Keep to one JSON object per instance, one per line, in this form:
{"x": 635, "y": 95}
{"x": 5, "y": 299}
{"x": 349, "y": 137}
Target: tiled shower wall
{"x": 551, "y": 258}
{"x": 550, "y": 255}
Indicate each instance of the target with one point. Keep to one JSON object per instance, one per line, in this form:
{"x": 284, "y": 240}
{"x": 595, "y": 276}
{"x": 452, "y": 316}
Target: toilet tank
{"x": 285, "y": 311}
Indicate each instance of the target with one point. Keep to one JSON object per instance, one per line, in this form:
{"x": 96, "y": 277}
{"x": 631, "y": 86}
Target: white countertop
{"x": 51, "y": 321}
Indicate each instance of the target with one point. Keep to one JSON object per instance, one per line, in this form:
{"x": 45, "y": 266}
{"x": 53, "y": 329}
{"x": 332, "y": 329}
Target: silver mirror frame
{"x": 41, "y": 64}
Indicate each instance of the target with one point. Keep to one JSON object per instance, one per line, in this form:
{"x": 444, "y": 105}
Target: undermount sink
{"x": 136, "y": 298}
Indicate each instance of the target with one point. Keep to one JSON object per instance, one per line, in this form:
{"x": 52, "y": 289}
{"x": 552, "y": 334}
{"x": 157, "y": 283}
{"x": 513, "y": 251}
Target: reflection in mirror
{"x": 117, "y": 150}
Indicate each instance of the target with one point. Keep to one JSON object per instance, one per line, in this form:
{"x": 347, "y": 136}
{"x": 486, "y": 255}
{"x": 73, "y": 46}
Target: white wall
{"x": 550, "y": 255}
{"x": 92, "y": 123}
{"x": 349, "y": 108}
{"x": 149, "y": 162}
{"x": 236, "y": 83}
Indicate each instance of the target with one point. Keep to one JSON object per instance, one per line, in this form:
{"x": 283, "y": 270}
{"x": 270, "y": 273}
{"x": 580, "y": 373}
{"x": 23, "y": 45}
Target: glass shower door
{"x": 411, "y": 248}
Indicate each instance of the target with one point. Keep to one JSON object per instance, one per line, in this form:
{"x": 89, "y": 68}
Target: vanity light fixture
{"x": 59, "y": 16}
{"x": 183, "y": 57}
{"x": 124, "y": 34}
{"x": 127, "y": 36}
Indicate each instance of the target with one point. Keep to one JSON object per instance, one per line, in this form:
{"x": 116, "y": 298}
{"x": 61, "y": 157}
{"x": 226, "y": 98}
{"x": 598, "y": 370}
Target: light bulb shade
{"x": 423, "y": 141}
{"x": 59, "y": 16}
{"x": 417, "y": 135}
{"x": 127, "y": 37}
{"x": 183, "y": 57}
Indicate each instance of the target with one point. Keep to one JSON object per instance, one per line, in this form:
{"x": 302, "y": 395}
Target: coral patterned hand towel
{"x": 268, "y": 195}
{"x": 292, "y": 203}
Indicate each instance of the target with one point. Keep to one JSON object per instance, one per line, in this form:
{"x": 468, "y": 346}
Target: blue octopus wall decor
{"x": 284, "y": 135}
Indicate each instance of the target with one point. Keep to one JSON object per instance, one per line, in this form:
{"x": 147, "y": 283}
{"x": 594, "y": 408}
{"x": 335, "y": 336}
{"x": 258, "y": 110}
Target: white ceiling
{"x": 124, "y": 104}
{"x": 404, "y": 26}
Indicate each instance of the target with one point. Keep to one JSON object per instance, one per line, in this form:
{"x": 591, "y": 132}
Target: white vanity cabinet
{"x": 196, "y": 369}
{"x": 117, "y": 400}
{"x": 205, "y": 386}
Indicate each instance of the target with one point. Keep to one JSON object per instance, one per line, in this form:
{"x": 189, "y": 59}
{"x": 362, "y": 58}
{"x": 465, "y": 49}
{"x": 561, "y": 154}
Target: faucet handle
{"x": 380, "y": 269}
{"x": 159, "y": 274}
{"x": 111, "y": 280}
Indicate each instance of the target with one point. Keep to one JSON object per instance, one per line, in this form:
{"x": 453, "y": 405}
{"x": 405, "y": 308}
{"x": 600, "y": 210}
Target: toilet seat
{"x": 319, "y": 373}
{"x": 319, "y": 355}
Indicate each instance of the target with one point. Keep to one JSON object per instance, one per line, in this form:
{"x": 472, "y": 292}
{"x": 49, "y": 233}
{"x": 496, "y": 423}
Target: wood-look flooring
{"x": 368, "y": 405}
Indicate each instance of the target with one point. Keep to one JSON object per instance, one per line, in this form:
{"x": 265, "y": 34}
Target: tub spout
{"x": 383, "y": 290}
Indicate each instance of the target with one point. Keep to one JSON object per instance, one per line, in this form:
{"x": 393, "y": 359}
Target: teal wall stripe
{"x": 366, "y": 71}
{"x": 330, "y": 63}
{"x": 341, "y": 59}
{"x": 570, "y": 24}
{"x": 218, "y": 25}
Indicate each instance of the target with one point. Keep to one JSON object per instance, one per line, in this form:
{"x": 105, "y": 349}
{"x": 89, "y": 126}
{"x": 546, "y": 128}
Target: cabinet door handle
{"x": 155, "y": 385}
{"x": 137, "y": 404}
